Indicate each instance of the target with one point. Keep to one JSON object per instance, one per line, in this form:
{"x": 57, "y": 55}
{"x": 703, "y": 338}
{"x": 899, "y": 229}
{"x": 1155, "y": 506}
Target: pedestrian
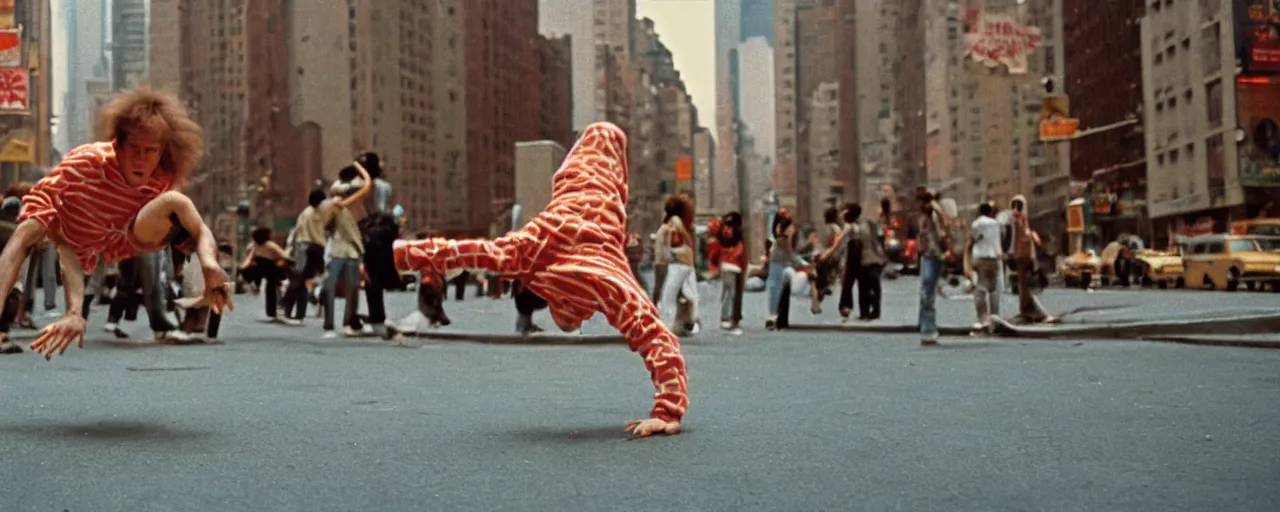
{"x": 828, "y": 264}
{"x": 934, "y": 239}
{"x": 380, "y": 229}
{"x": 727, "y": 258}
{"x": 307, "y": 253}
{"x": 1024, "y": 260}
{"x": 782, "y": 256}
{"x": 267, "y": 261}
{"x": 681, "y": 278}
{"x": 984, "y": 256}
{"x": 346, "y": 247}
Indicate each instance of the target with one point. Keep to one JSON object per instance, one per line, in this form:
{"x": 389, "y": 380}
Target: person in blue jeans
{"x": 933, "y": 242}
{"x": 781, "y": 257}
{"x": 346, "y": 246}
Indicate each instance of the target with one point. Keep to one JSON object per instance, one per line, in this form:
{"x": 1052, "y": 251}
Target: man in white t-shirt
{"x": 985, "y": 255}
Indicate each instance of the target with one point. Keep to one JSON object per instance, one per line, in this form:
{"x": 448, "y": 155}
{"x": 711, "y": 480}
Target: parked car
{"x": 1224, "y": 262}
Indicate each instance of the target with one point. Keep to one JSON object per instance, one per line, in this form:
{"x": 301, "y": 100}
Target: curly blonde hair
{"x": 161, "y": 114}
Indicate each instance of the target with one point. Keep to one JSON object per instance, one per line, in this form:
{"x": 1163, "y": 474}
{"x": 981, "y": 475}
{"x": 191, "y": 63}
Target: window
{"x": 1213, "y": 102}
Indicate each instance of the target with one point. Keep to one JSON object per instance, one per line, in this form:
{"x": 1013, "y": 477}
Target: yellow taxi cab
{"x": 1080, "y": 268}
{"x": 1224, "y": 261}
{"x": 1161, "y": 268}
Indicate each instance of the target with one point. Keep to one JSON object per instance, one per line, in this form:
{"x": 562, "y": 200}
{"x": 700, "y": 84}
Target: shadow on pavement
{"x": 570, "y": 434}
{"x": 108, "y": 431}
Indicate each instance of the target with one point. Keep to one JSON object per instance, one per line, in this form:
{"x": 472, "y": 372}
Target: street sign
{"x": 684, "y": 168}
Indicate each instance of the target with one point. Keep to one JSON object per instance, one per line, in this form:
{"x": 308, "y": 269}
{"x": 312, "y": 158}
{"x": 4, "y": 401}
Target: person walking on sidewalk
{"x": 984, "y": 256}
{"x": 934, "y": 241}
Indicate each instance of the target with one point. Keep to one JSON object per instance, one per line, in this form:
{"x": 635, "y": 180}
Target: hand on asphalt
{"x": 651, "y": 426}
{"x": 56, "y": 337}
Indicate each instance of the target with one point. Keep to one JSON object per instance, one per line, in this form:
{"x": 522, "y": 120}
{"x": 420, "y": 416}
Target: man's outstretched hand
{"x": 651, "y": 426}
{"x": 217, "y": 294}
{"x": 57, "y": 336}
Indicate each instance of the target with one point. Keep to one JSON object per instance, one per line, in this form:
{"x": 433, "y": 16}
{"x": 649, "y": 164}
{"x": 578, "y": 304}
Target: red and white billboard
{"x": 997, "y": 39}
{"x": 15, "y": 89}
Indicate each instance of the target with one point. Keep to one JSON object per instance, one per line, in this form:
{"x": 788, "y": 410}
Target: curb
{"x": 944, "y": 330}
{"x": 1143, "y": 330}
{"x": 518, "y": 339}
{"x": 1216, "y": 342}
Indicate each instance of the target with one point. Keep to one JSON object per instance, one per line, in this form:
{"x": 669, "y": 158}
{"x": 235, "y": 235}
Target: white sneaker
{"x": 176, "y": 337}
{"x": 349, "y": 332}
{"x": 110, "y": 327}
{"x": 329, "y": 335}
{"x": 726, "y": 325}
{"x": 288, "y": 321}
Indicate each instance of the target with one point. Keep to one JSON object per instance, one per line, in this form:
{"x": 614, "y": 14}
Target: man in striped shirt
{"x": 112, "y": 200}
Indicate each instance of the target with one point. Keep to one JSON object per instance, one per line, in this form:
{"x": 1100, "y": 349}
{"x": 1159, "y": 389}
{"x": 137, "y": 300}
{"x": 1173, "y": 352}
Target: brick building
{"x": 232, "y": 70}
{"x": 501, "y": 60}
{"x": 1104, "y": 73}
{"x": 909, "y": 93}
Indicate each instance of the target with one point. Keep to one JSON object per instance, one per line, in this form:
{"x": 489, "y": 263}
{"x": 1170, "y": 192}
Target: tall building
{"x": 847, "y": 184}
{"x": 757, "y": 18}
{"x": 876, "y": 22}
{"x": 786, "y": 119}
{"x": 728, "y": 30}
{"x": 757, "y": 98}
{"x": 83, "y": 25}
{"x": 497, "y": 114}
{"x": 1202, "y": 174}
{"x": 556, "y": 72}
{"x": 25, "y": 129}
{"x": 823, "y": 127}
{"x": 128, "y": 43}
{"x": 817, "y": 39}
{"x": 1104, "y": 83}
{"x": 909, "y": 92}
{"x": 574, "y": 18}
{"x": 704, "y": 179}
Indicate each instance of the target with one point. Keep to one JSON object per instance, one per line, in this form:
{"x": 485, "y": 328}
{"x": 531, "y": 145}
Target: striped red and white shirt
{"x": 86, "y": 199}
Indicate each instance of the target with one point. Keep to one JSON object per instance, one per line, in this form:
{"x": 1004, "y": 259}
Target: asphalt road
{"x": 277, "y": 419}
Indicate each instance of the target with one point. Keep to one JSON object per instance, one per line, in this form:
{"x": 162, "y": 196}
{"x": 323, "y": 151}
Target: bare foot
{"x": 651, "y": 426}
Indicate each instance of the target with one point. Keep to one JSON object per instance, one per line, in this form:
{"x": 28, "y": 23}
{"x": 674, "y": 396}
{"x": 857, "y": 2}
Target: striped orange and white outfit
{"x": 85, "y": 203}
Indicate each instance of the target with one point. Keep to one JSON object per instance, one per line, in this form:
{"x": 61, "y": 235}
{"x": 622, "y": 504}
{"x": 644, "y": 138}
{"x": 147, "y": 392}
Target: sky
{"x": 687, "y": 27}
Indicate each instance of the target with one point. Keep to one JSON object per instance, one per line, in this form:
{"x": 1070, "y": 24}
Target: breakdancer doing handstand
{"x": 111, "y": 200}
{"x": 572, "y": 256}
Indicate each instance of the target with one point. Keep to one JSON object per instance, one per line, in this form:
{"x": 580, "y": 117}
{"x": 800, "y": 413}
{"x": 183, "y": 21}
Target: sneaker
{"x": 929, "y": 340}
{"x": 350, "y": 332}
{"x": 110, "y": 327}
{"x": 329, "y": 335}
{"x": 9, "y": 347}
{"x": 284, "y": 320}
{"x": 771, "y": 324}
{"x": 176, "y": 338}
{"x": 726, "y": 325}
{"x": 735, "y": 331}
